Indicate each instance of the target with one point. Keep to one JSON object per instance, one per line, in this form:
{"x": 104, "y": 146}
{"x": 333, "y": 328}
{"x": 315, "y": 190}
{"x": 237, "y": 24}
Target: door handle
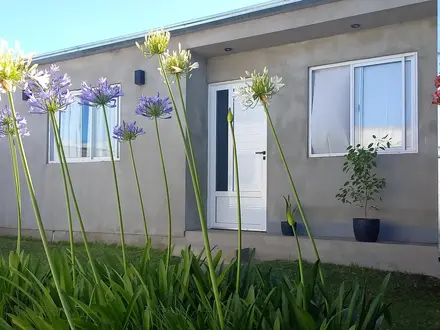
{"x": 260, "y": 152}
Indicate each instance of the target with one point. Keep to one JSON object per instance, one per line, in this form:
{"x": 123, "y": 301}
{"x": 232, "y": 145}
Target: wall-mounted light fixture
{"x": 355, "y": 26}
{"x": 228, "y": 49}
{"x": 139, "y": 77}
{"x": 24, "y": 96}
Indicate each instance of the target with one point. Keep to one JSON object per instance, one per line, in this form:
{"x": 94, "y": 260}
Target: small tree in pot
{"x": 363, "y": 185}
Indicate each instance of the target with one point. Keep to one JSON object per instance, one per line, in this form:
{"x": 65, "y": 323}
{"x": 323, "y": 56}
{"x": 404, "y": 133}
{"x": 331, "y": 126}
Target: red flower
{"x": 436, "y": 98}
{"x": 437, "y": 82}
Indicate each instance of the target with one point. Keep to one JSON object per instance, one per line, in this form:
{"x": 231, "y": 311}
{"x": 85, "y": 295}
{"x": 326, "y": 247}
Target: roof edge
{"x": 234, "y": 16}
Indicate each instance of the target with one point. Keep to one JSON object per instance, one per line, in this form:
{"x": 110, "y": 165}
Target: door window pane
{"x": 222, "y": 140}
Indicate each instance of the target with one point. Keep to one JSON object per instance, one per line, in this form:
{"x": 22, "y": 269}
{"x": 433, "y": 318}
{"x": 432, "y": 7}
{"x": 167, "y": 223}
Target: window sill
{"x": 85, "y": 160}
{"x": 394, "y": 152}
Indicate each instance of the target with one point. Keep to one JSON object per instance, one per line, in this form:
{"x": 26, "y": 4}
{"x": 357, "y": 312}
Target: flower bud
{"x": 230, "y": 116}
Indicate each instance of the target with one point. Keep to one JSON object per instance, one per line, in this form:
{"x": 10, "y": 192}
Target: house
{"x": 352, "y": 68}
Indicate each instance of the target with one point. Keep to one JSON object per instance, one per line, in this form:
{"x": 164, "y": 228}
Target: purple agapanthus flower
{"x": 103, "y": 95}
{"x": 154, "y": 107}
{"x": 7, "y": 123}
{"x": 127, "y": 132}
{"x": 50, "y": 98}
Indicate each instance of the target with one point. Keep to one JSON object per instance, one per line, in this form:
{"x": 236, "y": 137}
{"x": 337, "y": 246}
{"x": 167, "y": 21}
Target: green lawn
{"x": 415, "y": 298}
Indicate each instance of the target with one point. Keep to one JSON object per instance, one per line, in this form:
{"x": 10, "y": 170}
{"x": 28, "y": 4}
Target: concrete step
{"x": 420, "y": 259}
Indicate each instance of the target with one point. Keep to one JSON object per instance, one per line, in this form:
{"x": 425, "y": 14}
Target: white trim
{"x": 225, "y": 83}
{"x": 89, "y": 159}
{"x": 212, "y": 134}
{"x": 353, "y": 108}
{"x": 413, "y": 57}
{"x": 367, "y": 61}
{"x": 403, "y": 64}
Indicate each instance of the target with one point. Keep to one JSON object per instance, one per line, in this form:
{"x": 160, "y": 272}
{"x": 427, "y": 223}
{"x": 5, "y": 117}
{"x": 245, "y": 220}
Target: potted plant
{"x": 288, "y": 226}
{"x": 363, "y": 186}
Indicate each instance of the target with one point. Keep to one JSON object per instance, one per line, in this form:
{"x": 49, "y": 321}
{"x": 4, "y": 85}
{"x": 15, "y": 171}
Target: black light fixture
{"x": 24, "y": 96}
{"x": 228, "y": 49}
{"x": 355, "y": 26}
{"x": 139, "y": 77}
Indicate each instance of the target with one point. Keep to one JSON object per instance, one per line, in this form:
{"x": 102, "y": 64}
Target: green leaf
{"x": 352, "y": 306}
{"x": 276, "y": 325}
{"x": 131, "y": 307}
{"x": 4, "y": 325}
{"x": 304, "y": 319}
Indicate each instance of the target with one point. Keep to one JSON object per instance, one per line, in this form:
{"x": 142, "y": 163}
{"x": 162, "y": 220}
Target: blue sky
{"x": 48, "y": 25}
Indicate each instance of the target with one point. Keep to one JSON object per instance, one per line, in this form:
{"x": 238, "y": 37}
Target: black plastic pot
{"x": 366, "y": 230}
{"x": 286, "y": 230}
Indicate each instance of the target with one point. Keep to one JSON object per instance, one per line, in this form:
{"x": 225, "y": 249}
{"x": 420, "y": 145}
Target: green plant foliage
{"x": 363, "y": 185}
{"x": 150, "y": 296}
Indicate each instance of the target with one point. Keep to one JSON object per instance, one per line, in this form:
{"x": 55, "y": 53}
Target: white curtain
{"x": 101, "y": 144}
{"x": 70, "y": 130}
{"x": 330, "y": 113}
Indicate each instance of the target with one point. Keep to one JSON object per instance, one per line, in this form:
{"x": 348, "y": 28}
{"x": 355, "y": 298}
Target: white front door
{"x": 251, "y": 138}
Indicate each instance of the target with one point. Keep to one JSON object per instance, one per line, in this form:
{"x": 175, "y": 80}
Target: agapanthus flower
{"x": 16, "y": 69}
{"x": 50, "y": 98}
{"x": 155, "y": 43}
{"x": 436, "y": 98}
{"x": 102, "y": 95}
{"x": 178, "y": 63}
{"x": 7, "y": 123}
{"x": 436, "y": 95}
{"x": 154, "y": 107}
{"x": 258, "y": 88}
{"x": 127, "y": 132}
{"x": 437, "y": 82}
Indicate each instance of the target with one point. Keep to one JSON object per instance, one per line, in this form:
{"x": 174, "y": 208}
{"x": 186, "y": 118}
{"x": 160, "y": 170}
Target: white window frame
{"x": 367, "y": 62}
{"x": 90, "y": 159}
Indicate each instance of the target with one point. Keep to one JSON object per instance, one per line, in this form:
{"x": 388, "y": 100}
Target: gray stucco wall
{"x": 197, "y": 112}
{"x": 409, "y": 211}
{"x": 94, "y": 181}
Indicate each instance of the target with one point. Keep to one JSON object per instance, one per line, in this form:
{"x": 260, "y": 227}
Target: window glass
{"x": 378, "y": 103}
{"x": 83, "y": 133}
{"x": 330, "y": 111}
{"x": 349, "y": 103}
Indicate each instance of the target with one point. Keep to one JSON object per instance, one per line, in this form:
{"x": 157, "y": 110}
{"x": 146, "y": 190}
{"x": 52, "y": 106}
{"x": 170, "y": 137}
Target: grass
{"x": 415, "y": 298}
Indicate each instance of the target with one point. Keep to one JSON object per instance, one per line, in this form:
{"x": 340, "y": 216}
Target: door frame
{"x": 211, "y": 173}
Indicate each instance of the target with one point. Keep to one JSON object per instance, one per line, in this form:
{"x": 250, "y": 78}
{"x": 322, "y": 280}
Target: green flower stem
{"x": 295, "y": 193}
{"x": 188, "y": 135}
{"x": 118, "y": 198}
{"x": 139, "y": 191}
{"x": 38, "y": 215}
{"x": 63, "y": 161}
{"x": 199, "y": 205}
{"x": 167, "y": 192}
{"x": 300, "y": 261}
{"x": 66, "y": 193}
{"x": 237, "y": 188}
{"x": 14, "y": 164}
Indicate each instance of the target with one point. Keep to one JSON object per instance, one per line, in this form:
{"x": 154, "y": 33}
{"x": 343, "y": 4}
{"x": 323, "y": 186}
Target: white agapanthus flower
{"x": 16, "y": 69}
{"x": 178, "y": 63}
{"x": 155, "y": 43}
{"x": 258, "y": 88}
